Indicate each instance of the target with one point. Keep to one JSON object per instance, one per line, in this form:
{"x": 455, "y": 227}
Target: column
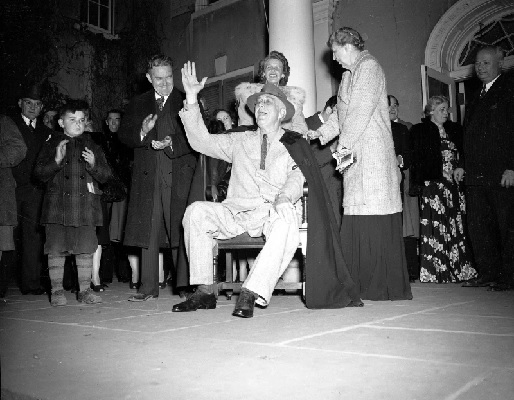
{"x": 291, "y": 32}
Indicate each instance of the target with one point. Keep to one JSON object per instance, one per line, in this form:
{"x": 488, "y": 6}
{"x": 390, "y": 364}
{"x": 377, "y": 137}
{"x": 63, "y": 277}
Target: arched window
{"x": 497, "y": 33}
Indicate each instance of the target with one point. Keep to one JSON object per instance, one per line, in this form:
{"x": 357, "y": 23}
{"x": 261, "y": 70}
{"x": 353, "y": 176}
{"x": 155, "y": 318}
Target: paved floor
{"x": 448, "y": 343}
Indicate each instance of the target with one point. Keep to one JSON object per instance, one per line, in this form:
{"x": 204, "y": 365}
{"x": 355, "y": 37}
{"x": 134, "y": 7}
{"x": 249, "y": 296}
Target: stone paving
{"x": 447, "y": 343}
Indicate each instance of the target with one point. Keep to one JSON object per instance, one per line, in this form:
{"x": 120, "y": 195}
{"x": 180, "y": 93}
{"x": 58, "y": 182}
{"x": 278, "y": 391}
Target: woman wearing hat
{"x": 371, "y": 229}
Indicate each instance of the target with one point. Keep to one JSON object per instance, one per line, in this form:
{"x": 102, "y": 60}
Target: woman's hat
{"x": 273, "y": 90}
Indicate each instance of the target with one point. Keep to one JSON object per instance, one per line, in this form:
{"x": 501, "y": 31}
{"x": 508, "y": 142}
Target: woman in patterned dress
{"x": 436, "y": 143}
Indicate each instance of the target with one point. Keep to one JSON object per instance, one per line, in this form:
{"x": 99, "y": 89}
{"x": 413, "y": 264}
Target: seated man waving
{"x": 264, "y": 187}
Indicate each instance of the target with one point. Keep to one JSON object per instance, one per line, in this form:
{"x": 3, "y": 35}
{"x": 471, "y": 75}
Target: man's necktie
{"x": 483, "y": 91}
{"x": 30, "y": 126}
{"x": 160, "y": 102}
{"x": 264, "y": 150}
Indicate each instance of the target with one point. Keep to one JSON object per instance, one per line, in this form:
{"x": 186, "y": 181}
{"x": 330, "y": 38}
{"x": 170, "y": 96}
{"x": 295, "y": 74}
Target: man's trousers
{"x": 205, "y": 221}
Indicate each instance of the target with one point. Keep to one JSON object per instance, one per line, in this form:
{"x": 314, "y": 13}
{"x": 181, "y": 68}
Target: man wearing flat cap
{"x": 29, "y": 194}
{"x": 262, "y": 197}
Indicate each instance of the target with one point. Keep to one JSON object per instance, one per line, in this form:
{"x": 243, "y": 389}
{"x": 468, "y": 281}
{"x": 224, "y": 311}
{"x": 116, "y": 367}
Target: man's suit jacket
{"x": 34, "y": 140}
{"x": 401, "y": 142}
{"x": 180, "y": 161}
{"x": 489, "y": 134}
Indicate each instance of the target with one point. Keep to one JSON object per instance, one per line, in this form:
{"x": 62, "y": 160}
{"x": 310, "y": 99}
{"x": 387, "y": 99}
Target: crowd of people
{"x": 436, "y": 188}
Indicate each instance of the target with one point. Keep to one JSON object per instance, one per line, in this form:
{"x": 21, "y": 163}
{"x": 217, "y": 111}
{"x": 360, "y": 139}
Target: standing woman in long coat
{"x": 371, "y": 229}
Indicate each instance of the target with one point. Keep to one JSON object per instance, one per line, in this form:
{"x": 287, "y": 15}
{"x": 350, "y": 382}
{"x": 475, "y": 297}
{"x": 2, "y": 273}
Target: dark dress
{"x": 445, "y": 254}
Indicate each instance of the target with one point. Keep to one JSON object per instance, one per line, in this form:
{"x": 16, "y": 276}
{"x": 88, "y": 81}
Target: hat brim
{"x": 252, "y": 101}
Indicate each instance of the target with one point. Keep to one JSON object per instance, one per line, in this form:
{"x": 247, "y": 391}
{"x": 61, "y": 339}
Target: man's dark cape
{"x": 328, "y": 283}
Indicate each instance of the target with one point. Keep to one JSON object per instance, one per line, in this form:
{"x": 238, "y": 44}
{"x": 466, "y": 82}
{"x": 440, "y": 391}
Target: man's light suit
{"x": 248, "y": 206}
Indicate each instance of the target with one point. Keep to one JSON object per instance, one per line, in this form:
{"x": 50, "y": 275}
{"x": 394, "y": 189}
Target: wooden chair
{"x": 245, "y": 242}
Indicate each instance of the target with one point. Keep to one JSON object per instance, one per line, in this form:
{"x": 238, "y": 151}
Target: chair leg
{"x": 229, "y": 277}
{"x": 215, "y": 275}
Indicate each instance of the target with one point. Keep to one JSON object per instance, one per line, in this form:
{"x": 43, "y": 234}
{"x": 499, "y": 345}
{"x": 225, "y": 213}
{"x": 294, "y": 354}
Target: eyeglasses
{"x": 32, "y": 103}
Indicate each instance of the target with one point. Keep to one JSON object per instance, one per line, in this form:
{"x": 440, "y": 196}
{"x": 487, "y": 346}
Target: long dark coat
{"x": 183, "y": 159}
{"x": 67, "y": 200}
{"x": 12, "y": 151}
{"x": 328, "y": 283}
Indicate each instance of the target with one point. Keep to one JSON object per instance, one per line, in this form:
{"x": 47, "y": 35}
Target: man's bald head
{"x": 488, "y": 63}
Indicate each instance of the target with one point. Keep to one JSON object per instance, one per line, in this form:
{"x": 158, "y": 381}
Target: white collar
{"x": 158, "y": 96}
{"x": 488, "y": 85}
{"x": 29, "y": 121}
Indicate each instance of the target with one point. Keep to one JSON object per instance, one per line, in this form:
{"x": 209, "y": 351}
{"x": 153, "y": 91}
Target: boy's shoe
{"x": 88, "y": 297}
{"x": 58, "y": 299}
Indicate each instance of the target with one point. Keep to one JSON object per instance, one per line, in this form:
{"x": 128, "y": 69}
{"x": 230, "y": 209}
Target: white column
{"x": 326, "y": 85}
{"x": 291, "y": 32}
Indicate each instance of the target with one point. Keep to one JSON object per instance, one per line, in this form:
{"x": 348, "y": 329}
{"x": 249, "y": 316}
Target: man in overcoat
{"x": 164, "y": 164}
{"x": 29, "y": 234}
{"x": 12, "y": 151}
{"x": 488, "y": 169}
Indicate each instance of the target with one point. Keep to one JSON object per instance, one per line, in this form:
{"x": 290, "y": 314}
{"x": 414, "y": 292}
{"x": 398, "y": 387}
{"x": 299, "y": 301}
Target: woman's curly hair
{"x": 276, "y": 55}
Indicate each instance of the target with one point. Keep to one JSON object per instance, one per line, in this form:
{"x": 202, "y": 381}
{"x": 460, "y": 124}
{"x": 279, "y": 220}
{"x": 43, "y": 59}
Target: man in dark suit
{"x": 333, "y": 179}
{"x": 488, "y": 165}
{"x": 29, "y": 193}
{"x": 164, "y": 164}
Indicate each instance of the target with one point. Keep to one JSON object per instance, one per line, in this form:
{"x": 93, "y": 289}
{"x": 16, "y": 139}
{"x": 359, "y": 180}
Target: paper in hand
{"x": 344, "y": 159}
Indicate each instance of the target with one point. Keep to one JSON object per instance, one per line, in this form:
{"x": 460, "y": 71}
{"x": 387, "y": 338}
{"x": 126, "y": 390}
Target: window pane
{"x": 104, "y": 18}
{"x": 105, "y": 3}
{"x": 93, "y": 14}
{"x": 438, "y": 88}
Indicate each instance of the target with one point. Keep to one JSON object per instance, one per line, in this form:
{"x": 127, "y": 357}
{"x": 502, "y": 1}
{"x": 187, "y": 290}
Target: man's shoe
{"x": 195, "y": 301}
{"x": 356, "y": 303}
{"x": 88, "y": 297}
{"x": 245, "y": 304}
{"x": 37, "y": 292}
{"x": 142, "y": 297}
{"x": 499, "y": 287}
{"x": 477, "y": 282}
{"x": 58, "y": 299}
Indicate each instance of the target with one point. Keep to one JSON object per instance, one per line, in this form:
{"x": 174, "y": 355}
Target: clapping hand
{"x": 89, "y": 157}
{"x": 60, "y": 151}
{"x": 148, "y": 124}
{"x": 161, "y": 144}
{"x": 190, "y": 82}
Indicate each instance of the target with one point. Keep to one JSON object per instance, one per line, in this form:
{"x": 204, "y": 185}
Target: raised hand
{"x": 190, "y": 82}
{"x": 60, "y": 151}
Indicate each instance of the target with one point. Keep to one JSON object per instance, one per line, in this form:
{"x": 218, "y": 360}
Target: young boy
{"x": 72, "y": 165}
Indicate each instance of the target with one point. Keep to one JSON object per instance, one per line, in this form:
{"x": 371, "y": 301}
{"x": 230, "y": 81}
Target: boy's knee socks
{"x": 84, "y": 268}
{"x": 56, "y": 271}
